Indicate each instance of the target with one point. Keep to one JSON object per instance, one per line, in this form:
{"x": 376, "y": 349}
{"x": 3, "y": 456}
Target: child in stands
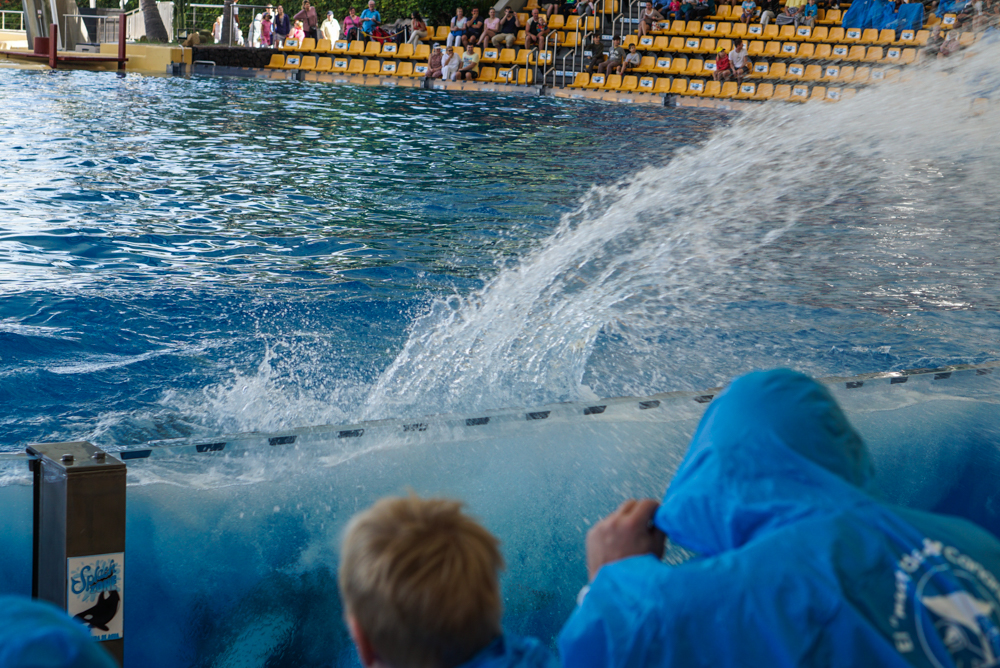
{"x": 419, "y": 581}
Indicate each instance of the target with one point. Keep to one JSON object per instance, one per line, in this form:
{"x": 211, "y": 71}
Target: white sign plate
{"x": 95, "y": 593}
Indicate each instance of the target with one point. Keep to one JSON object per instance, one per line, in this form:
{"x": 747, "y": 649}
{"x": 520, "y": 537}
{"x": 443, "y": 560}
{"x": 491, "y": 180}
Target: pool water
{"x": 182, "y": 258}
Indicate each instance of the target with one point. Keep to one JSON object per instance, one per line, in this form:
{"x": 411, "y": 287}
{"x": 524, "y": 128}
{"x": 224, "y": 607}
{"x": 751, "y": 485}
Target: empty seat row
{"x": 703, "y": 88}
{"x": 513, "y": 75}
{"x": 787, "y": 32}
{"x": 696, "y": 67}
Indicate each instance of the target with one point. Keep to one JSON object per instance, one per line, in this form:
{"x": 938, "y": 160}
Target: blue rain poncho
{"x": 513, "y": 652}
{"x": 797, "y": 565}
{"x": 34, "y": 634}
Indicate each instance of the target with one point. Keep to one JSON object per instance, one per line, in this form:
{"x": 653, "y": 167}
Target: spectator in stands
{"x": 949, "y": 46}
{"x": 280, "y": 27}
{"x": 449, "y": 63}
{"x": 797, "y": 565}
{"x": 35, "y": 634}
{"x": 255, "y": 28}
{"x": 687, "y": 9}
{"x": 615, "y": 57}
{"x": 739, "y": 62}
{"x": 419, "y": 582}
{"x": 217, "y": 29}
{"x": 596, "y": 47}
{"x": 535, "y": 30}
{"x": 490, "y": 27}
{"x": 787, "y": 16}
{"x": 370, "y": 18}
{"x": 297, "y": 33}
{"x": 308, "y": 18}
{"x": 331, "y": 28}
{"x": 434, "y": 63}
{"x": 509, "y": 25}
{"x": 769, "y": 10}
{"x": 418, "y": 29}
{"x": 749, "y": 11}
{"x": 673, "y": 10}
{"x": 586, "y": 8}
{"x": 648, "y": 18}
{"x": 723, "y": 68}
{"x": 352, "y": 25}
{"x": 810, "y": 13}
{"x": 265, "y": 30}
{"x": 704, "y": 9}
{"x": 632, "y": 59}
{"x": 469, "y": 68}
{"x": 473, "y": 29}
{"x": 458, "y": 23}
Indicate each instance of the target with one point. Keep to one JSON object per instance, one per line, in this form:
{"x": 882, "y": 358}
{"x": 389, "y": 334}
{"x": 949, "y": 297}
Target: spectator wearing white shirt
{"x": 739, "y": 61}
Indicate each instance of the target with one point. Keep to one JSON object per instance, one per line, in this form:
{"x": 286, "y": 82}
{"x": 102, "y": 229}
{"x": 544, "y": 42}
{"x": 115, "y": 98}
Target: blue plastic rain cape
{"x": 34, "y": 634}
{"x": 797, "y": 565}
{"x": 510, "y": 651}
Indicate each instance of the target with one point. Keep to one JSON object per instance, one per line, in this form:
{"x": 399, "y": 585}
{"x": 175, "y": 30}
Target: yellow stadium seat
{"x": 646, "y": 84}
{"x": 581, "y": 80}
{"x": 421, "y": 52}
{"x": 823, "y": 52}
{"x": 569, "y": 39}
{"x": 405, "y": 69}
{"x": 291, "y": 44}
{"x": 832, "y": 16}
{"x": 724, "y": 30}
{"x": 592, "y": 23}
{"x": 405, "y": 50}
{"x": 356, "y": 66}
{"x": 869, "y": 36}
{"x": 729, "y": 89}
{"x": 886, "y": 36}
{"x": 572, "y": 23}
{"x": 663, "y": 85}
{"x": 840, "y": 51}
{"x": 339, "y": 65}
{"x": 277, "y": 62}
{"x": 324, "y": 63}
{"x": 852, "y": 36}
{"x": 420, "y": 69}
{"x": 662, "y": 64}
{"x": 771, "y": 31}
{"x": 542, "y": 57}
{"x": 372, "y": 67}
{"x": 708, "y": 29}
{"x": 676, "y": 45}
{"x": 678, "y": 65}
{"x": 803, "y": 33}
{"x": 819, "y": 34}
{"x": 323, "y": 46}
{"x": 892, "y": 55}
{"x": 522, "y": 57}
{"x": 388, "y": 68}
{"x": 857, "y": 53}
{"x": 788, "y": 50}
{"x": 756, "y": 48}
{"x": 747, "y": 91}
{"x": 806, "y": 51}
{"x": 647, "y": 64}
{"x": 817, "y": 93}
{"x": 519, "y": 40}
{"x": 695, "y": 87}
{"x": 340, "y": 47}
{"x": 308, "y": 63}
{"x": 795, "y": 71}
{"x": 357, "y": 48}
{"x": 908, "y": 56}
{"x": 691, "y": 45}
{"x": 629, "y": 41}
{"x": 836, "y": 35}
{"x": 920, "y": 39}
{"x": 832, "y": 95}
{"x": 487, "y": 74}
{"x": 760, "y": 70}
{"x": 596, "y": 81}
{"x": 613, "y": 82}
{"x": 722, "y": 12}
{"x": 846, "y": 74}
{"x": 679, "y": 86}
{"x": 765, "y": 91}
{"x": 556, "y": 22}
{"x": 772, "y": 49}
{"x": 777, "y": 71}
{"x": 874, "y": 54}
{"x": 712, "y": 89}
{"x": 507, "y": 56}
{"x": 739, "y": 30}
{"x": 525, "y": 77}
{"x": 707, "y": 45}
{"x": 645, "y": 43}
{"x": 754, "y": 31}
{"x": 906, "y": 37}
{"x": 442, "y": 33}
{"x": 389, "y": 50}
{"x": 831, "y": 73}
{"x": 677, "y": 28}
{"x": 862, "y": 75}
{"x": 708, "y": 66}
{"x": 692, "y": 28}
{"x": 490, "y": 55}
{"x": 292, "y": 62}
{"x": 782, "y": 92}
{"x": 785, "y": 32}
{"x": 695, "y": 68}
{"x": 308, "y": 44}
{"x": 813, "y": 73}
{"x": 948, "y": 20}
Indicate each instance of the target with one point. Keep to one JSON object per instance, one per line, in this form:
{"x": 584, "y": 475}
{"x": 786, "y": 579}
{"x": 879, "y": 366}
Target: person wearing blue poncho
{"x": 34, "y": 634}
{"x": 797, "y": 565}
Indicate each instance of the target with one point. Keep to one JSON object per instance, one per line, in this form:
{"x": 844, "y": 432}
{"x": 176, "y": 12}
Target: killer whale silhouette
{"x": 102, "y": 612}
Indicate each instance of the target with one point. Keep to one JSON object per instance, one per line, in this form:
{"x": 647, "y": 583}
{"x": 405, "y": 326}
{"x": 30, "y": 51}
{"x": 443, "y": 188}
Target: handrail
{"x": 3, "y": 18}
{"x": 554, "y": 36}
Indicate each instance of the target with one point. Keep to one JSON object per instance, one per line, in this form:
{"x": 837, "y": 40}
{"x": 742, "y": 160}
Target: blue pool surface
{"x": 184, "y": 258}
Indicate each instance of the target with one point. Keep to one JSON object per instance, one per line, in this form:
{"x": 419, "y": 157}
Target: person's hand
{"x": 627, "y": 532}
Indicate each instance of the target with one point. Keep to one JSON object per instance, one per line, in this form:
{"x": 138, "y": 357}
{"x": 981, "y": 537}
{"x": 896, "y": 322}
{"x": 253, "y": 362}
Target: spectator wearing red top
{"x": 309, "y": 19}
{"x": 723, "y": 68}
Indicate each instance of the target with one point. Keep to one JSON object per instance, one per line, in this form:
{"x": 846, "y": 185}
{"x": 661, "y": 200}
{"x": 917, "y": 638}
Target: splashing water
{"x": 868, "y": 212}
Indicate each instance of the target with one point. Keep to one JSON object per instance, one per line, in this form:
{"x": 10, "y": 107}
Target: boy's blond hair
{"x": 420, "y": 578}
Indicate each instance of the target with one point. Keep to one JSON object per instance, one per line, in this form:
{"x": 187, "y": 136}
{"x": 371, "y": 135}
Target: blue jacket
{"x": 510, "y": 651}
{"x": 34, "y": 634}
{"x": 797, "y": 565}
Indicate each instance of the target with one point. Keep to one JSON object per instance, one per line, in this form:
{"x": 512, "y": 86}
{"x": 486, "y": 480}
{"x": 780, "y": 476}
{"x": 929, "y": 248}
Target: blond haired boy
{"x": 419, "y": 581}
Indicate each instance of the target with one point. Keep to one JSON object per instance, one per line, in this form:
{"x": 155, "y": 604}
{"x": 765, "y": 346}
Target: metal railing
{"x": 3, "y": 19}
{"x": 105, "y": 28}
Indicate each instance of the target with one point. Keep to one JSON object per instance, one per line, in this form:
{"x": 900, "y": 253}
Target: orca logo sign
{"x": 95, "y": 591}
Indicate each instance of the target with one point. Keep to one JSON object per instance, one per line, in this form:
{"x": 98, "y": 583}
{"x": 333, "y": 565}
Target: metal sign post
{"x": 79, "y": 536}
